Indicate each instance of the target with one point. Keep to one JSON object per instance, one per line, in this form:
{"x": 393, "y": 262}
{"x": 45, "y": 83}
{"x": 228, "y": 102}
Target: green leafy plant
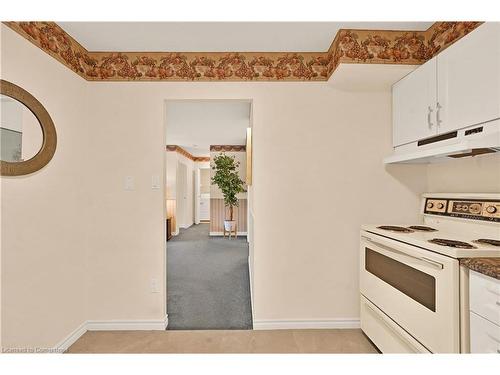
{"x": 227, "y": 179}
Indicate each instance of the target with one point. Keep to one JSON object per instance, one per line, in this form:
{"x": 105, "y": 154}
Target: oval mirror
{"x": 20, "y": 132}
{"x": 27, "y": 133}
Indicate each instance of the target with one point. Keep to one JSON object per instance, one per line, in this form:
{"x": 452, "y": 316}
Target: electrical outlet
{"x": 155, "y": 285}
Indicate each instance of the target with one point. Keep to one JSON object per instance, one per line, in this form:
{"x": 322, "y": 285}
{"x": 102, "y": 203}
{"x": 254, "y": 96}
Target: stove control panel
{"x": 475, "y": 209}
{"x": 491, "y": 209}
{"x": 435, "y": 205}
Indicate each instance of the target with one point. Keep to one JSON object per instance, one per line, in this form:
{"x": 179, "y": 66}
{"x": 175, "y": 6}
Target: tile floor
{"x": 225, "y": 341}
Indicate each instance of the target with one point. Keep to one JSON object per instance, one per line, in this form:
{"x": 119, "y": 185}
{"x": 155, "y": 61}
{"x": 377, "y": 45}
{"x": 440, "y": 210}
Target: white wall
{"x": 90, "y": 248}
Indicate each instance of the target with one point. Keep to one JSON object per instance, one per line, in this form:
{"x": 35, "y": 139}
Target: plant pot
{"x": 229, "y": 225}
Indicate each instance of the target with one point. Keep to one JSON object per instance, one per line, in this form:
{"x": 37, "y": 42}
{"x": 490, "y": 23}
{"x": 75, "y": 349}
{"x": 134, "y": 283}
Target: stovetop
{"x": 439, "y": 241}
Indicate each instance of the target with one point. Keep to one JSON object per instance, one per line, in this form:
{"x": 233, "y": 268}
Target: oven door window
{"x": 416, "y": 284}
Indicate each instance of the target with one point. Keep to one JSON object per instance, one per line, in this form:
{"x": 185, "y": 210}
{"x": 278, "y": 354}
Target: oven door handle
{"x": 431, "y": 262}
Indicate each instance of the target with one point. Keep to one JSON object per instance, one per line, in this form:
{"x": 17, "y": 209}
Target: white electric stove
{"x": 414, "y": 294}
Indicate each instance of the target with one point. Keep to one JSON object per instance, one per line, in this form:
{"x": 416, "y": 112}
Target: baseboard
{"x": 222, "y": 233}
{"x": 306, "y": 324}
{"x": 127, "y": 325}
{"x": 110, "y": 325}
{"x": 64, "y": 344}
{"x": 251, "y": 287}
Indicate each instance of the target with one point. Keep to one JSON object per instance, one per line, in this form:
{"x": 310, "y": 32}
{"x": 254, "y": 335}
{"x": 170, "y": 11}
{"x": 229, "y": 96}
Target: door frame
{"x": 250, "y": 239}
{"x": 197, "y": 191}
{"x": 197, "y": 195}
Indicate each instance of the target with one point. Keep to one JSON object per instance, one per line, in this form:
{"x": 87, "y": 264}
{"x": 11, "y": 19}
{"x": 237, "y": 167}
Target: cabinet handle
{"x": 438, "y": 118}
{"x": 429, "y": 122}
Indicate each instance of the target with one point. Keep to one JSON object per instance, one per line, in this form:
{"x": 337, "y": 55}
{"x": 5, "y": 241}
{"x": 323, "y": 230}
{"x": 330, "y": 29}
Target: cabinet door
{"x": 414, "y": 105}
{"x": 469, "y": 79}
{"x": 484, "y": 335}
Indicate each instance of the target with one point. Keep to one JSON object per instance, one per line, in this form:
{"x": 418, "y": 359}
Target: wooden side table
{"x": 229, "y": 231}
{"x": 169, "y": 228}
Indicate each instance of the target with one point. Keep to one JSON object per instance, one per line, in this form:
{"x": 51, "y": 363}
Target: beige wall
{"x": 172, "y": 159}
{"x": 45, "y": 216}
{"x": 317, "y": 165}
{"x": 76, "y": 245}
{"x": 480, "y": 174}
{"x": 171, "y": 174}
{"x": 188, "y": 216}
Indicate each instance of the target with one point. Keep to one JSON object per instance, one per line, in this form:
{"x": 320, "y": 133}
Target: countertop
{"x": 486, "y": 266}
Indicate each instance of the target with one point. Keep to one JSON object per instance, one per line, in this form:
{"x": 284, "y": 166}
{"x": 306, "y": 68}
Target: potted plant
{"x": 229, "y": 182}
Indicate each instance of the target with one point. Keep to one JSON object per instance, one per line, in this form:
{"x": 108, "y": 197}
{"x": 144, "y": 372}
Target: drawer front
{"x": 385, "y": 333}
{"x": 484, "y": 335}
{"x": 485, "y": 296}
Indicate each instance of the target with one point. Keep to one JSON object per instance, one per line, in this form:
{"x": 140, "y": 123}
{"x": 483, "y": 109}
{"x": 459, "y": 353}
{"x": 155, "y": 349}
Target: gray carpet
{"x": 207, "y": 281}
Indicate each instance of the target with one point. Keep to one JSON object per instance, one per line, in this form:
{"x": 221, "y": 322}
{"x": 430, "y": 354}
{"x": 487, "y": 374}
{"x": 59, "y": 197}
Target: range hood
{"x": 469, "y": 142}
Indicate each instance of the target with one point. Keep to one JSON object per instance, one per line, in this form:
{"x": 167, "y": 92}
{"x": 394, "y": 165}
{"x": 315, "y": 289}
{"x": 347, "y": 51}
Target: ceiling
{"x": 206, "y": 122}
{"x": 218, "y": 36}
{"x": 368, "y": 77}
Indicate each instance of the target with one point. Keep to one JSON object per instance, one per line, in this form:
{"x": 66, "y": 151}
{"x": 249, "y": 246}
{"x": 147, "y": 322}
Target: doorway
{"x": 208, "y": 275}
{"x": 203, "y": 192}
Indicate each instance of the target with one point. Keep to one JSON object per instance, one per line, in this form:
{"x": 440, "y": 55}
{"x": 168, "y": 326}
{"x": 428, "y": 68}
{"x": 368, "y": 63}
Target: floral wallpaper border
{"x": 180, "y": 150}
{"x": 348, "y": 46}
{"x": 228, "y": 148}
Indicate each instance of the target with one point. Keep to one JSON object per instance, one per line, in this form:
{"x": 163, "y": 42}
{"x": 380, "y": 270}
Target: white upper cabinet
{"x": 468, "y": 79}
{"x": 459, "y": 87}
{"x": 414, "y": 105}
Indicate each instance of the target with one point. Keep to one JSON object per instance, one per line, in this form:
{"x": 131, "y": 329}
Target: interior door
{"x": 414, "y": 105}
{"x": 205, "y": 207}
{"x": 469, "y": 79}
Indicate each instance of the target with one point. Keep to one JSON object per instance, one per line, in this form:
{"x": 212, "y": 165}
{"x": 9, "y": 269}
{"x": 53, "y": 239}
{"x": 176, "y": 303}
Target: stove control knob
{"x": 491, "y": 209}
{"x": 475, "y": 208}
{"x": 440, "y": 206}
{"x": 430, "y": 205}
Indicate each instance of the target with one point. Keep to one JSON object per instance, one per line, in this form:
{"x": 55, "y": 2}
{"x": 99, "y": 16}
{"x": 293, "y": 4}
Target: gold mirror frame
{"x": 46, "y": 152}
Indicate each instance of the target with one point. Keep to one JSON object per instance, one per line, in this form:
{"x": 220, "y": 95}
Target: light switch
{"x": 129, "y": 183}
{"x": 155, "y": 286}
{"x": 155, "y": 182}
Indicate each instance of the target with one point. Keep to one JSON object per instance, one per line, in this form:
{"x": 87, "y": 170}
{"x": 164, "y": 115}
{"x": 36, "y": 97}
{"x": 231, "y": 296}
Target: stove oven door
{"x": 415, "y": 290}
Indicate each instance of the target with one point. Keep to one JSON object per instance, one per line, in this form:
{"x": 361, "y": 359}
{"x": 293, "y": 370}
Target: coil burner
{"x": 452, "y": 243}
{"x": 487, "y": 241}
{"x": 422, "y": 228}
{"x": 395, "y": 229}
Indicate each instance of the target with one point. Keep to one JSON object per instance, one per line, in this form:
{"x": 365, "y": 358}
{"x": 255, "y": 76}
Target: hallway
{"x": 207, "y": 281}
